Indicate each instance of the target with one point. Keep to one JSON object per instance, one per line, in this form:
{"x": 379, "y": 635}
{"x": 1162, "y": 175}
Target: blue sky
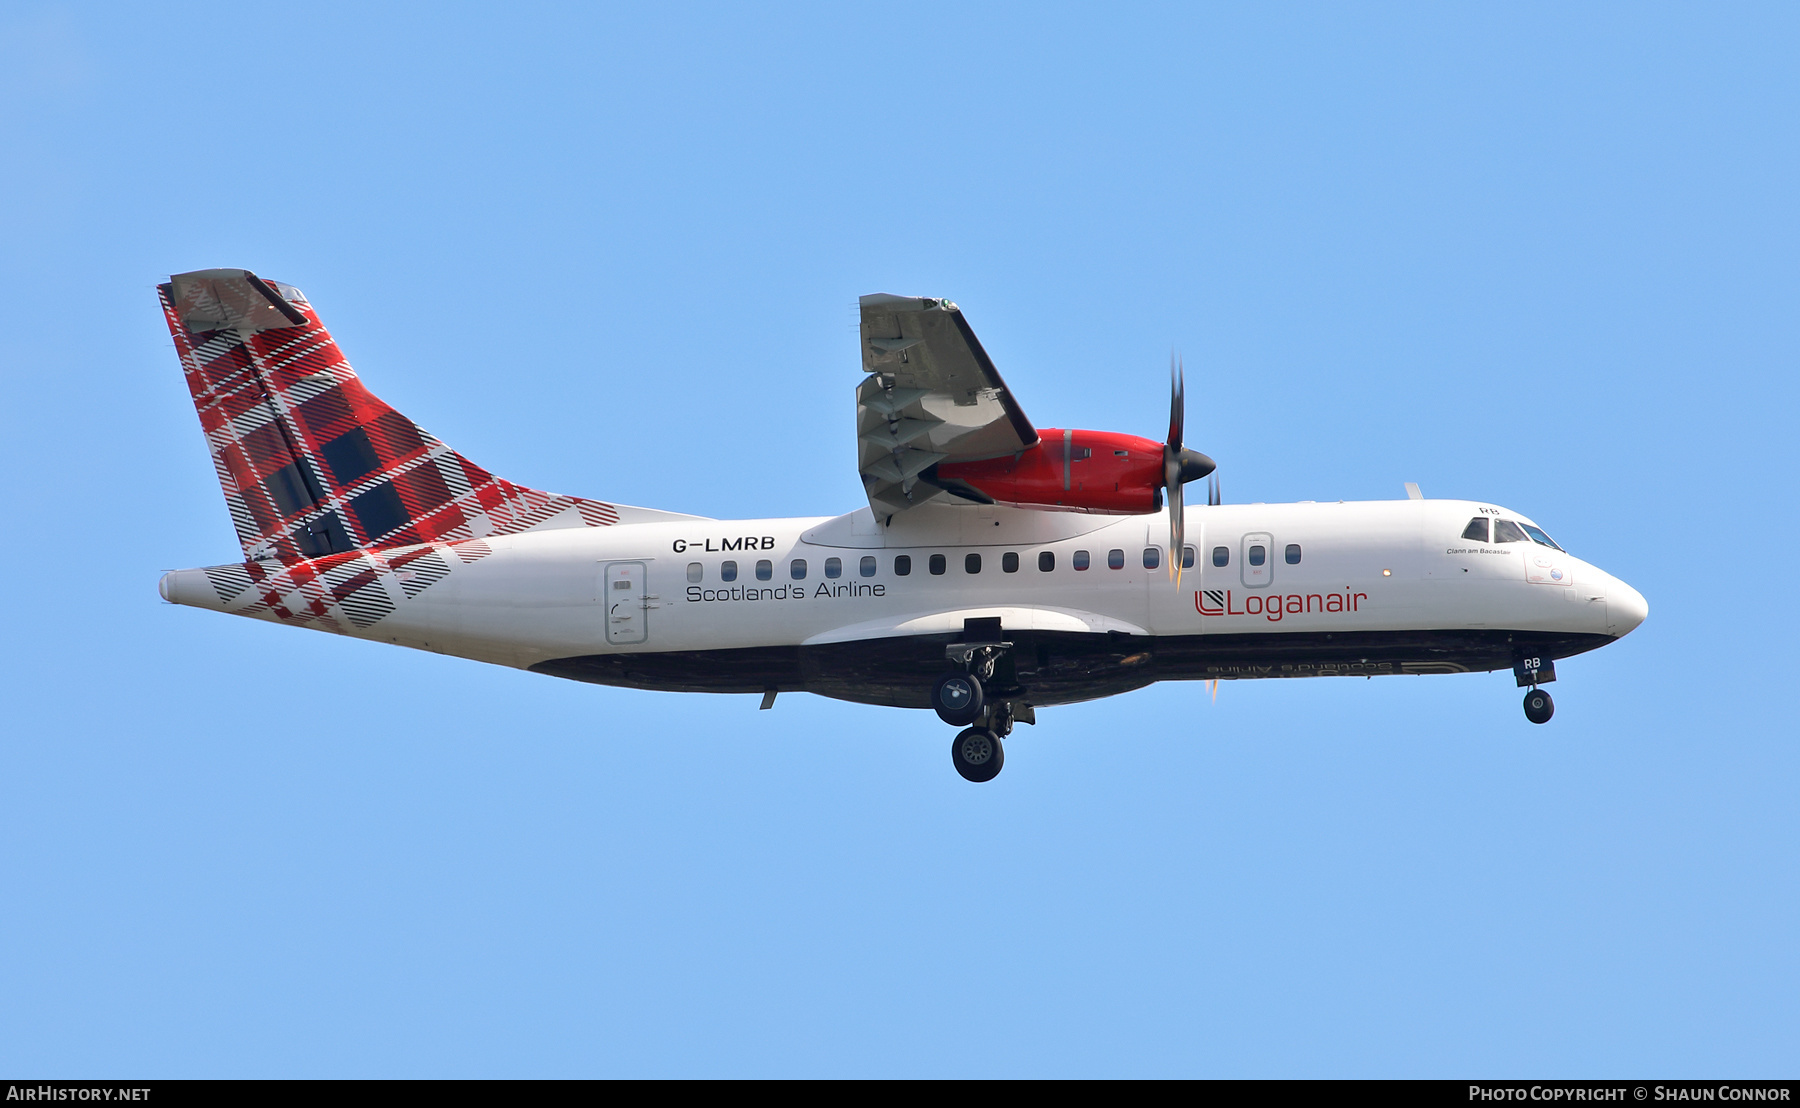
{"x": 1541, "y": 255}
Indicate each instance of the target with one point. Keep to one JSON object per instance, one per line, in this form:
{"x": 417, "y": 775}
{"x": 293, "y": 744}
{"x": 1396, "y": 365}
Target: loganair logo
{"x": 1221, "y": 602}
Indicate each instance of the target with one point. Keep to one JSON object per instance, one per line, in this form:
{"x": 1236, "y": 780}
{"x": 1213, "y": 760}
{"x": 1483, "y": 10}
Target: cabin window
{"x": 1221, "y": 556}
{"x": 866, "y": 567}
{"x": 1293, "y": 553}
{"x": 1505, "y": 530}
{"x": 1115, "y": 559}
{"x": 1080, "y": 560}
{"x": 765, "y": 569}
{"x": 902, "y": 565}
{"x": 937, "y": 565}
{"x": 1476, "y": 531}
{"x": 1009, "y": 562}
{"x": 696, "y": 573}
{"x": 797, "y": 569}
{"x": 1258, "y": 554}
{"x": 1538, "y": 536}
{"x": 1046, "y": 561}
{"x": 1187, "y": 557}
{"x": 834, "y": 567}
{"x": 971, "y": 563}
{"x": 1152, "y": 557}
{"x": 728, "y": 571}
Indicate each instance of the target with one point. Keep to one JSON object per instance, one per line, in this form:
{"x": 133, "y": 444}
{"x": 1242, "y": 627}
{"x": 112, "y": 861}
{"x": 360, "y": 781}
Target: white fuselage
{"x": 699, "y": 586}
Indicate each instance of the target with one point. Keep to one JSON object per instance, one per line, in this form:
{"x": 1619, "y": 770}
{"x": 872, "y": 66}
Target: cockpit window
{"x": 1476, "y": 531}
{"x": 1505, "y": 530}
{"x": 1538, "y": 536}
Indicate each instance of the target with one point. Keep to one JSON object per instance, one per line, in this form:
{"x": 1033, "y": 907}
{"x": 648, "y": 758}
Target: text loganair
{"x": 1222, "y": 602}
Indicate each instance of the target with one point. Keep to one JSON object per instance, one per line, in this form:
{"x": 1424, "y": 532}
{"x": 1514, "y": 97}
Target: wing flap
{"x": 932, "y": 394}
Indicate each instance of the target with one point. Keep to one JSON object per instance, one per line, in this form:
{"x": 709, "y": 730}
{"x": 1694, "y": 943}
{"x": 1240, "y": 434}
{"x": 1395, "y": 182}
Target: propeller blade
{"x": 1177, "y": 403}
{"x": 1212, "y": 492}
{"x": 1174, "y": 461}
{"x": 1177, "y": 528}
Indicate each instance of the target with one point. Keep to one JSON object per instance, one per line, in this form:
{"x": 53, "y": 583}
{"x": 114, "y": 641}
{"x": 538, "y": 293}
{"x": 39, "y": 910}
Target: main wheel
{"x": 958, "y": 698}
{"x": 1538, "y": 706}
{"x": 977, "y": 754}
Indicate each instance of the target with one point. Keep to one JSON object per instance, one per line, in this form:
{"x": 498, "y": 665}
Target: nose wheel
{"x": 1538, "y": 706}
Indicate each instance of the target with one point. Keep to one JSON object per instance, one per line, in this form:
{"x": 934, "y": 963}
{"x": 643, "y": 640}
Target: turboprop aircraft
{"x": 998, "y": 568}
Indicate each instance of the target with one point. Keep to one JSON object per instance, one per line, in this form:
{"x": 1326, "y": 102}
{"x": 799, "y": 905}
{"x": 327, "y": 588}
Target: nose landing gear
{"x": 1530, "y": 672}
{"x": 1538, "y": 706}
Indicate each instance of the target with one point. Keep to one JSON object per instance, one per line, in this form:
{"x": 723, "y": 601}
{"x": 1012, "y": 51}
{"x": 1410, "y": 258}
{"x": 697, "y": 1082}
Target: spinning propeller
{"x": 1179, "y": 467}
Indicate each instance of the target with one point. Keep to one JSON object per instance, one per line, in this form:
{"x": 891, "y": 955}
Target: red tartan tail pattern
{"x": 312, "y": 464}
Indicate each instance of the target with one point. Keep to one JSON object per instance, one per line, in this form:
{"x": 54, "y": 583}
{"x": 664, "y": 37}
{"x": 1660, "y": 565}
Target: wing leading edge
{"x": 932, "y": 395}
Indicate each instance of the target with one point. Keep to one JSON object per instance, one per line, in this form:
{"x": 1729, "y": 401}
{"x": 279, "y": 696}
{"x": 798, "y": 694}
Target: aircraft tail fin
{"x": 314, "y": 464}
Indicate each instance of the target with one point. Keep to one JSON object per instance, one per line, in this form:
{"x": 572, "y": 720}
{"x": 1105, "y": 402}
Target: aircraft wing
{"x": 932, "y": 395}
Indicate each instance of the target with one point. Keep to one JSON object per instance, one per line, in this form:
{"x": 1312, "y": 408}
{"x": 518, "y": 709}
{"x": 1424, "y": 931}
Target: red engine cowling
{"x": 1094, "y": 471}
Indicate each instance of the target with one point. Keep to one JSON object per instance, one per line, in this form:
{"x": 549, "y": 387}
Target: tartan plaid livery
{"x": 339, "y": 592}
{"x": 328, "y": 487}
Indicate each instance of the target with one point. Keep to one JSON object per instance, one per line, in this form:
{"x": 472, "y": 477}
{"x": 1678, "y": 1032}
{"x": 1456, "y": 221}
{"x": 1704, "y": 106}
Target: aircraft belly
{"x": 1060, "y": 668}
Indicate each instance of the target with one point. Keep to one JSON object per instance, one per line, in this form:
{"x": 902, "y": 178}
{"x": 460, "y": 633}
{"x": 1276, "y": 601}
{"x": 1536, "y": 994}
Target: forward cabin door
{"x": 627, "y": 604}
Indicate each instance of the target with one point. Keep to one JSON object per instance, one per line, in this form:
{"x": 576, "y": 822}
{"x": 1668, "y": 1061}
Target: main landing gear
{"x": 958, "y": 698}
{"x": 978, "y": 754}
{"x": 962, "y": 697}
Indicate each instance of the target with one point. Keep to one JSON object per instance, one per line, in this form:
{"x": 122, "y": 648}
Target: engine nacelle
{"x": 1092, "y": 471}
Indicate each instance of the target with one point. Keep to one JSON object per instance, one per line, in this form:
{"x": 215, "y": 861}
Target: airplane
{"x": 997, "y": 568}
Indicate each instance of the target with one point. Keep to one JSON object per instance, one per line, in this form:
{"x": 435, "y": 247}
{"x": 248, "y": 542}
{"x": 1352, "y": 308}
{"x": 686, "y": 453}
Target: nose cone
{"x": 1625, "y": 608}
